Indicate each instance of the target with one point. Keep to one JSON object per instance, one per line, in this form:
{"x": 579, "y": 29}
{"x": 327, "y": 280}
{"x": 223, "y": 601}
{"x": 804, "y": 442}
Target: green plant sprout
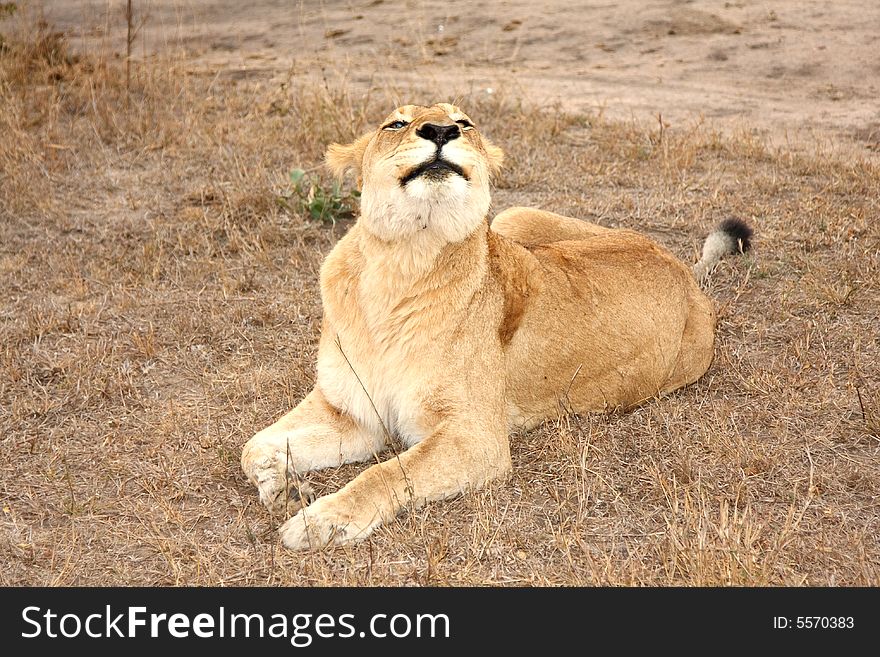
{"x": 322, "y": 203}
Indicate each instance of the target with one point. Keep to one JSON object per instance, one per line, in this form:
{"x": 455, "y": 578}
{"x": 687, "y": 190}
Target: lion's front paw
{"x": 281, "y": 491}
{"x": 321, "y": 524}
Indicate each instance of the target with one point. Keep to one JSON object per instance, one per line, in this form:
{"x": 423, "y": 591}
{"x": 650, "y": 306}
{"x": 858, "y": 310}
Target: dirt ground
{"x": 159, "y": 299}
{"x": 795, "y": 70}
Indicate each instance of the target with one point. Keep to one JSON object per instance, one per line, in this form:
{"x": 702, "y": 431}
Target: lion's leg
{"x": 313, "y": 435}
{"x": 533, "y": 227}
{"x": 442, "y": 465}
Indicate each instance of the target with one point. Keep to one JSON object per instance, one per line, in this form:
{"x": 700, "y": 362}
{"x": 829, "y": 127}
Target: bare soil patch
{"x": 795, "y": 71}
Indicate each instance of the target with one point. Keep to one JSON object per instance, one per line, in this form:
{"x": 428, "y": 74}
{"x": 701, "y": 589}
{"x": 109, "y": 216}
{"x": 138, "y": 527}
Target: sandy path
{"x": 794, "y": 69}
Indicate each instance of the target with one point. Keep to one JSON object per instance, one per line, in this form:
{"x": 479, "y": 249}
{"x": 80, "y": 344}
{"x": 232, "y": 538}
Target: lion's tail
{"x": 732, "y": 236}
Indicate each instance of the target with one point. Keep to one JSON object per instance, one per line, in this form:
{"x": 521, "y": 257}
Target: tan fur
{"x": 441, "y": 334}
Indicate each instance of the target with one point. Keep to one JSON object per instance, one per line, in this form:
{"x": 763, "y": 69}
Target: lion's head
{"x": 423, "y": 169}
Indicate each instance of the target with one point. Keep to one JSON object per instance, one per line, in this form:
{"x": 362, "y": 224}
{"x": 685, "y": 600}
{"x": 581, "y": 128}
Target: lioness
{"x": 441, "y": 332}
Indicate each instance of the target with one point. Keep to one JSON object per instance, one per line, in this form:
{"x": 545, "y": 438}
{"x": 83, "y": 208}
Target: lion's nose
{"x": 439, "y": 134}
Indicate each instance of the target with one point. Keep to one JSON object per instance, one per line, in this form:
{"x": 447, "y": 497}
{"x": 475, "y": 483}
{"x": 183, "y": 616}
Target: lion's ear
{"x": 495, "y": 156}
{"x": 341, "y": 158}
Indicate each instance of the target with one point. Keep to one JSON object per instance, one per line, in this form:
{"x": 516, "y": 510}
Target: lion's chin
{"x": 438, "y": 188}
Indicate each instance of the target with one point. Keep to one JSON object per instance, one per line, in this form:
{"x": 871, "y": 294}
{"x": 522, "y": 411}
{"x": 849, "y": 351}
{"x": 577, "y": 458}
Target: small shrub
{"x": 309, "y": 195}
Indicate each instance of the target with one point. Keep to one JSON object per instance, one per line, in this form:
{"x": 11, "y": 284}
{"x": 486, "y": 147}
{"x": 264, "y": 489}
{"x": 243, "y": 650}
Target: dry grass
{"x": 159, "y": 306}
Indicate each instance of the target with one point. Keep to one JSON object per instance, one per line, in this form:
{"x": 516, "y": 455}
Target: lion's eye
{"x": 395, "y": 125}
{"x": 465, "y": 124}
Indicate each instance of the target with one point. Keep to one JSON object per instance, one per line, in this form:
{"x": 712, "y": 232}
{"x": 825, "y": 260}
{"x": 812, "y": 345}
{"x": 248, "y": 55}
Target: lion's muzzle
{"x": 434, "y": 169}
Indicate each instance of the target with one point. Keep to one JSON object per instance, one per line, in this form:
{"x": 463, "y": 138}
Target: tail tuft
{"x": 739, "y": 231}
{"x": 732, "y": 236}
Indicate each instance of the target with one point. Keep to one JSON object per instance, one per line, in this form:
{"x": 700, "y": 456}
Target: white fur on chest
{"x": 379, "y": 388}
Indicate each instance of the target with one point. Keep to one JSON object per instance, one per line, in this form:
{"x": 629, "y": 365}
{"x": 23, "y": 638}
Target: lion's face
{"x": 423, "y": 169}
